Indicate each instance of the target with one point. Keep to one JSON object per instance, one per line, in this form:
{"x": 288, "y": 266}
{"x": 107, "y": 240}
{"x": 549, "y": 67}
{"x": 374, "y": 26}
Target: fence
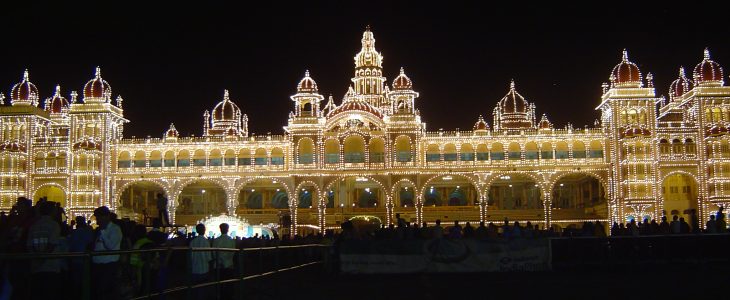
{"x": 249, "y": 263}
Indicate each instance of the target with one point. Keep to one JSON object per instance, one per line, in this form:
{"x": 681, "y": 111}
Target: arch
{"x": 244, "y": 157}
{"x": 679, "y": 194}
{"x": 52, "y": 191}
{"x": 199, "y": 198}
{"x": 561, "y": 150}
{"x": 183, "y": 158}
{"x": 155, "y": 159}
{"x": 138, "y": 198}
{"x": 169, "y": 159}
{"x": 354, "y": 149}
{"x": 140, "y": 159}
{"x": 307, "y": 192}
{"x": 450, "y": 152}
{"x": 601, "y": 179}
{"x": 595, "y": 197}
{"x": 124, "y": 160}
{"x": 403, "y": 148}
{"x": 579, "y": 149}
{"x": 199, "y": 159}
{"x": 216, "y": 158}
{"x": 376, "y": 150}
{"x": 515, "y": 153}
{"x": 305, "y": 151}
{"x": 596, "y": 149}
{"x": 689, "y": 146}
{"x": 512, "y": 191}
{"x": 433, "y": 153}
{"x": 546, "y": 151}
{"x": 348, "y": 190}
{"x": 269, "y": 187}
{"x": 497, "y": 152}
{"x": 664, "y": 147}
{"x": 277, "y": 156}
{"x": 229, "y": 158}
{"x": 40, "y": 160}
{"x": 260, "y": 157}
{"x": 472, "y": 181}
{"x": 332, "y": 151}
{"x": 531, "y": 151}
{"x": 482, "y": 152}
{"x": 466, "y": 152}
{"x": 677, "y": 146}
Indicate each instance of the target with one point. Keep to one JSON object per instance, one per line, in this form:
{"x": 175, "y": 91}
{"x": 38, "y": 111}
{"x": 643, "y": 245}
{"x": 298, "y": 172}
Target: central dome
{"x": 708, "y": 72}
{"x": 626, "y": 73}
{"x": 226, "y": 110}
{"x": 513, "y": 102}
{"x": 97, "y": 88}
{"x": 57, "y": 103}
{"x": 24, "y": 92}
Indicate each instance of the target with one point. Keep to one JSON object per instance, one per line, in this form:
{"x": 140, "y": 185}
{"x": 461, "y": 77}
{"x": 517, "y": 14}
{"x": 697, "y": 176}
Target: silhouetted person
{"x": 615, "y": 230}
{"x": 104, "y": 268}
{"x": 711, "y": 225}
{"x": 200, "y": 260}
{"x": 664, "y": 227}
{"x": 79, "y": 240}
{"x": 455, "y": 231}
{"x": 674, "y": 227}
{"x": 437, "y": 231}
{"x": 162, "y": 209}
{"x": 598, "y": 230}
{"x": 653, "y": 227}
{"x": 683, "y": 226}
{"x": 43, "y": 238}
{"x": 516, "y": 230}
{"x": 224, "y": 261}
{"x": 481, "y": 231}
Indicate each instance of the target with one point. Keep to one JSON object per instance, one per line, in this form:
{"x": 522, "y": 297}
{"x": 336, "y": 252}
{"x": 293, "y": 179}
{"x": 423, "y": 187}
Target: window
{"x": 433, "y": 157}
{"x": 404, "y": 156}
{"x": 467, "y": 156}
{"x": 332, "y": 158}
{"x": 377, "y": 157}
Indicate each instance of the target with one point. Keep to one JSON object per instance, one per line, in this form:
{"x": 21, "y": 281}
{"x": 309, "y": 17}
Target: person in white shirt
{"x": 200, "y": 259}
{"x": 224, "y": 261}
{"x": 104, "y": 269}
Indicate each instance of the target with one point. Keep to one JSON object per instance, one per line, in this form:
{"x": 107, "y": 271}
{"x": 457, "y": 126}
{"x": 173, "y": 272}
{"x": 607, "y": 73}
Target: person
{"x": 224, "y": 260}
{"x": 481, "y": 231}
{"x": 200, "y": 260}
{"x": 468, "y": 231}
{"x": 43, "y": 237}
{"x": 674, "y": 226}
{"x": 711, "y": 225}
{"x": 162, "y": 209}
{"x": 400, "y": 221}
{"x": 683, "y": 226}
{"x": 664, "y": 227}
{"x": 633, "y": 228}
{"x": 721, "y": 224}
{"x": 455, "y": 231}
{"x": 79, "y": 240}
{"x": 437, "y": 231}
{"x": 105, "y": 267}
{"x": 157, "y": 236}
{"x": 615, "y": 230}
{"x": 141, "y": 261}
{"x": 516, "y": 231}
{"x": 598, "y": 230}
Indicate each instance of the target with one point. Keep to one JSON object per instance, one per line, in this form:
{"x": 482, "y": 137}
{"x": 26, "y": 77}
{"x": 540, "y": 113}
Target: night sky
{"x": 172, "y": 63}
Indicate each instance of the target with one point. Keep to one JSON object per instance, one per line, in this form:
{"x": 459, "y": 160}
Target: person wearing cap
{"x": 108, "y": 238}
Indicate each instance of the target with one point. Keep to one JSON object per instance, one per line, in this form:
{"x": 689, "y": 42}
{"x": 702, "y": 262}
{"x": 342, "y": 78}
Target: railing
{"x": 249, "y": 263}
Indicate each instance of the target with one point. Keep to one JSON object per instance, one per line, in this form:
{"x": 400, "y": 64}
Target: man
{"x": 674, "y": 225}
{"x": 43, "y": 237}
{"x": 162, "y": 209}
{"x": 79, "y": 240}
{"x": 437, "y": 231}
{"x": 224, "y": 261}
{"x": 711, "y": 225}
{"x": 200, "y": 259}
{"x": 104, "y": 268}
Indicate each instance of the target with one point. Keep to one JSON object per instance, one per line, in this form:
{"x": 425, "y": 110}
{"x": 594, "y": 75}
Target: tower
{"x": 306, "y": 122}
{"x": 369, "y": 82}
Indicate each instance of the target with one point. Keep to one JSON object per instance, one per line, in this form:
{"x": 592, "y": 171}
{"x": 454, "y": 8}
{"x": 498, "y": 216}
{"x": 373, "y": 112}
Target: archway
{"x": 455, "y": 194}
{"x": 199, "y": 199}
{"x": 139, "y": 200}
{"x": 578, "y": 197}
{"x": 51, "y": 193}
{"x": 516, "y": 197}
{"x": 262, "y": 194}
{"x": 354, "y": 195}
{"x": 679, "y": 195}
{"x": 404, "y": 199}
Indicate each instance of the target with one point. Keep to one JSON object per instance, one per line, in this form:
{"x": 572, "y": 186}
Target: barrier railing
{"x": 248, "y": 263}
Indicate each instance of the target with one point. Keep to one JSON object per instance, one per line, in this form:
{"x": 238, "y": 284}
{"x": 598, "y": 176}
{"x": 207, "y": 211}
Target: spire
{"x": 306, "y": 73}
{"x": 25, "y": 75}
{"x": 707, "y": 53}
{"x": 681, "y": 72}
{"x": 625, "y": 57}
{"x": 512, "y": 85}
{"x": 58, "y": 90}
{"x": 98, "y": 72}
{"x": 402, "y": 72}
{"x": 226, "y": 96}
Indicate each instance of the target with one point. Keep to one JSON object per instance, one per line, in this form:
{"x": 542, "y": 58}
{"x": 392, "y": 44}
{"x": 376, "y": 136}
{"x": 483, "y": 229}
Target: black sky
{"x": 170, "y": 63}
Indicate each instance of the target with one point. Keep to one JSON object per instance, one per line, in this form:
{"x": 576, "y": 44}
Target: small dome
{"x": 172, "y": 132}
{"x": 24, "y": 92}
{"x": 402, "y": 82}
{"x": 481, "y": 125}
{"x": 708, "y": 71}
{"x": 680, "y": 86}
{"x": 626, "y": 73}
{"x": 12, "y": 146}
{"x": 636, "y": 132}
{"x": 97, "y": 87}
{"x": 544, "y": 123}
{"x": 87, "y": 144}
{"x": 57, "y": 103}
{"x": 717, "y": 130}
{"x": 513, "y": 102}
{"x": 226, "y": 110}
{"x": 307, "y": 84}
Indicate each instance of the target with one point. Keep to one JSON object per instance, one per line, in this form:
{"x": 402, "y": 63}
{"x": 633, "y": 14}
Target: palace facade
{"x": 372, "y": 155}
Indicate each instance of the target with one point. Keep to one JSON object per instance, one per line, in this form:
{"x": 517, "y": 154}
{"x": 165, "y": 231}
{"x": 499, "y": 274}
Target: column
{"x": 172, "y": 206}
{"x": 547, "y": 203}
{"x": 321, "y": 209}
{"x": 388, "y": 210}
{"x": 419, "y": 209}
{"x": 483, "y": 205}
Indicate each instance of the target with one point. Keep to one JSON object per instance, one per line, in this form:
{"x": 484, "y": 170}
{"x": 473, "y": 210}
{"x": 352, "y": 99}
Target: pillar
{"x": 419, "y": 208}
{"x": 321, "y": 209}
{"x": 388, "y": 210}
{"x": 483, "y": 205}
{"x": 547, "y": 204}
{"x": 172, "y": 206}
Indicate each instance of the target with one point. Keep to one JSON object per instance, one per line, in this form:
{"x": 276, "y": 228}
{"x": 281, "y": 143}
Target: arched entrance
{"x": 138, "y": 201}
{"x": 263, "y": 200}
{"x": 454, "y": 196}
{"x": 51, "y": 193}
{"x": 679, "y": 195}
{"x": 517, "y": 197}
{"x": 404, "y": 200}
{"x": 579, "y": 197}
{"x": 352, "y": 196}
{"x": 200, "y": 199}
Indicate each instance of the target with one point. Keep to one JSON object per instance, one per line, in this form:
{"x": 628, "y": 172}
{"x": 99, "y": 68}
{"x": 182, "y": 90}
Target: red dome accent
{"x": 97, "y": 88}
{"x": 24, "y": 91}
{"x": 708, "y": 71}
{"x": 544, "y": 123}
{"x": 87, "y": 144}
{"x": 680, "y": 86}
{"x": 481, "y": 125}
{"x": 626, "y": 73}
{"x": 57, "y": 104}
{"x": 402, "y": 82}
{"x": 13, "y": 146}
{"x": 307, "y": 84}
{"x": 355, "y": 105}
{"x": 513, "y": 102}
{"x": 172, "y": 132}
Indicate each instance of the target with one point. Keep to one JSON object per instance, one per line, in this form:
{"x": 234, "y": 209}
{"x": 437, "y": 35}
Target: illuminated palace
{"x": 370, "y": 154}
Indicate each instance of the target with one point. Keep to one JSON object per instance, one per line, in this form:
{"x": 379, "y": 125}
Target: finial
{"x": 650, "y": 79}
{"x": 512, "y": 85}
{"x": 306, "y": 73}
{"x": 98, "y": 72}
{"x": 119, "y": 101}
{"x": 707, "y": 53}
{"x": 25, "y": 75}
{"x": 226, "y": 97}
{"x": 402, "y": 71}
{"x": 58, "y": 90}
{"x": 681, "y": 72}
{"x": 625, "y": 57}
{"x": 367, "y": 27}
{"x": 74, "y": 94}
